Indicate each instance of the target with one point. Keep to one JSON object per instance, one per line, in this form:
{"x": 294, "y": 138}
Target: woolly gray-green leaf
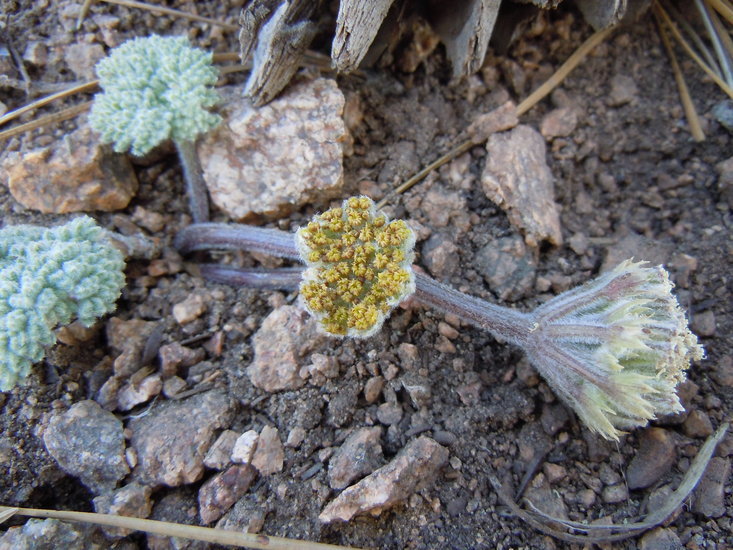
{"x": 155, "y": 88}
{"x": 48, "y": 277}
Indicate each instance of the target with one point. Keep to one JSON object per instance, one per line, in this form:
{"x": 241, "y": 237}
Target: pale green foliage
{"x": 48, "y": 277}
{"x": 155, "y": 88}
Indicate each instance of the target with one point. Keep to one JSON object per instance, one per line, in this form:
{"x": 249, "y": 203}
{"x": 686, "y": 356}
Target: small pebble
{"x": 661, "y": 539}
{"x": 414, "y": 468}
{"x": 132, "y": 500}
{"x": 554, "y": 472}
{"x": 190, "y": 309}
{"x": 445, "y": 438}
{"x": 174, "y": 355}
{"x": 173, "y": 386}
{"x": 703, "y": 323}
{"x": 554, "y": 418}
{"x": 709, "y": 496}
{"x": 287, "y": 335}
{"x": 172, "y": 438}
{"x": 373, "y": 388}
{"x": 269, "y": 455}
{"x": 697, "y": 424}
{"x": 244, "y": 447}
{"x": 545, "y": 498}
{"x": 360, "y": 454}
{"x": 560, "y": 122}
{"x": 613, "y": 494}
{"x": 218, "y": 455}
{"x": 81, "y": 59}
{"x": 723, "y": 371}
{"x": 295, "y": 437}
{"x": 623, "y": 90}
{"x": 586, "y": 497}
{"x": 87, "y": 442}
{"x": 219, "y": 493}
{"x": 389, "y": 413}
{"x": 133, "y": 394}
{"x": 655, "y": 457}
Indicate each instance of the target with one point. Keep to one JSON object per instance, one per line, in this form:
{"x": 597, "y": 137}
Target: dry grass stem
{"x": 225, "y": 57}
{"x": 723, "y": 58}
{"x": 83, "y": 13}
{"x": 690, "y": 111}
{"x": 52, "y": 118}
{"x": 234, "y": 69}
{"x": 721, "y": 35}
{"x": 449, "y": 156}
{"x": 660, "y": 11}
{"x": 600, "y": 533}
{"x": 724, "y": 8}
{"x": 563, "y": 71}
{"x": 172, "y": 12}
{"x": 85, "y": 87}
{"x": 167, "y": 529}
{"x": 698, "y": 42}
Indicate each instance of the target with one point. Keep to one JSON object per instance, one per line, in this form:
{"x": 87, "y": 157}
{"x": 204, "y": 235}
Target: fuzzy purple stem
{"x": 509, "y": 325}
{"x": 230, "y": 236}
{"x": 281, "y": 278}
{"x": 505, "y": 323}
{"x": 195, "y": 186}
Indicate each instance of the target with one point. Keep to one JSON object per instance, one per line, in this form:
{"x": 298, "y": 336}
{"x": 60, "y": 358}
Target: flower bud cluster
{"x": 615, "y": 348}
{"x": 359, "y": 267}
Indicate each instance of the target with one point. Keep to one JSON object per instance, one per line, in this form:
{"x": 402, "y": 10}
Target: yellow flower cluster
{"x": 359, "y": 267}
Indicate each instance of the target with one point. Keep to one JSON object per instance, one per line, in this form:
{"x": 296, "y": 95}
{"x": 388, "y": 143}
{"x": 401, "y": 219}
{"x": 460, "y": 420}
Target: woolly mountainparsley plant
{"x": 614, "y": 349}
{"x": 155, "y": 88}
{"x": 158, "y": 88}
{"x": 49, "y": 277}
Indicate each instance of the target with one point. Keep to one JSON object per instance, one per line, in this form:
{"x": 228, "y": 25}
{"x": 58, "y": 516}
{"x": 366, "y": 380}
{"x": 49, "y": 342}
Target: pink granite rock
{"x": 73, "y": 174}
{"x": 273, "y": 159}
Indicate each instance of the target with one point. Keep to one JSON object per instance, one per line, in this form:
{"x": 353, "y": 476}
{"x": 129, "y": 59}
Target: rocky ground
{"x": 205, "y": 404}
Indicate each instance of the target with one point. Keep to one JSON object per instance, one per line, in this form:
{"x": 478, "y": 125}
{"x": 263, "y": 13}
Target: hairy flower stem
{"x": 509, "y": 325}
{"x": 193, "y": 176}
{"x": 505, "y": 323}
{"x": 232, "y": 236}
{"x": 502, "y": 322}
{"x": 281, "y": 278}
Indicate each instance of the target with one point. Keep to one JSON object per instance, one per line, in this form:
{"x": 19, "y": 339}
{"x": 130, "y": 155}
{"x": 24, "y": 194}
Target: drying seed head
{"x": 616, "y": 348}
{"x": 359, "y": 267}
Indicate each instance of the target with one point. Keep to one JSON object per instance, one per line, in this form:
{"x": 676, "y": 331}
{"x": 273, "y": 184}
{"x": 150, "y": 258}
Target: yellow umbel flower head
{"x": 359, "y": 267}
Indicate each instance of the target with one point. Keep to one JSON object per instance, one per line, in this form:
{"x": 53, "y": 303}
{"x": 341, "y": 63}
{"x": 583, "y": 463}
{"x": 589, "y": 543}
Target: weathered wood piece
{"x": 607, "y": 13}
{"x": 277, "y": 37}
{"x": 251, "y": 19}
{"x": 357, "y": 25}
{"x": 465, "y": 28}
